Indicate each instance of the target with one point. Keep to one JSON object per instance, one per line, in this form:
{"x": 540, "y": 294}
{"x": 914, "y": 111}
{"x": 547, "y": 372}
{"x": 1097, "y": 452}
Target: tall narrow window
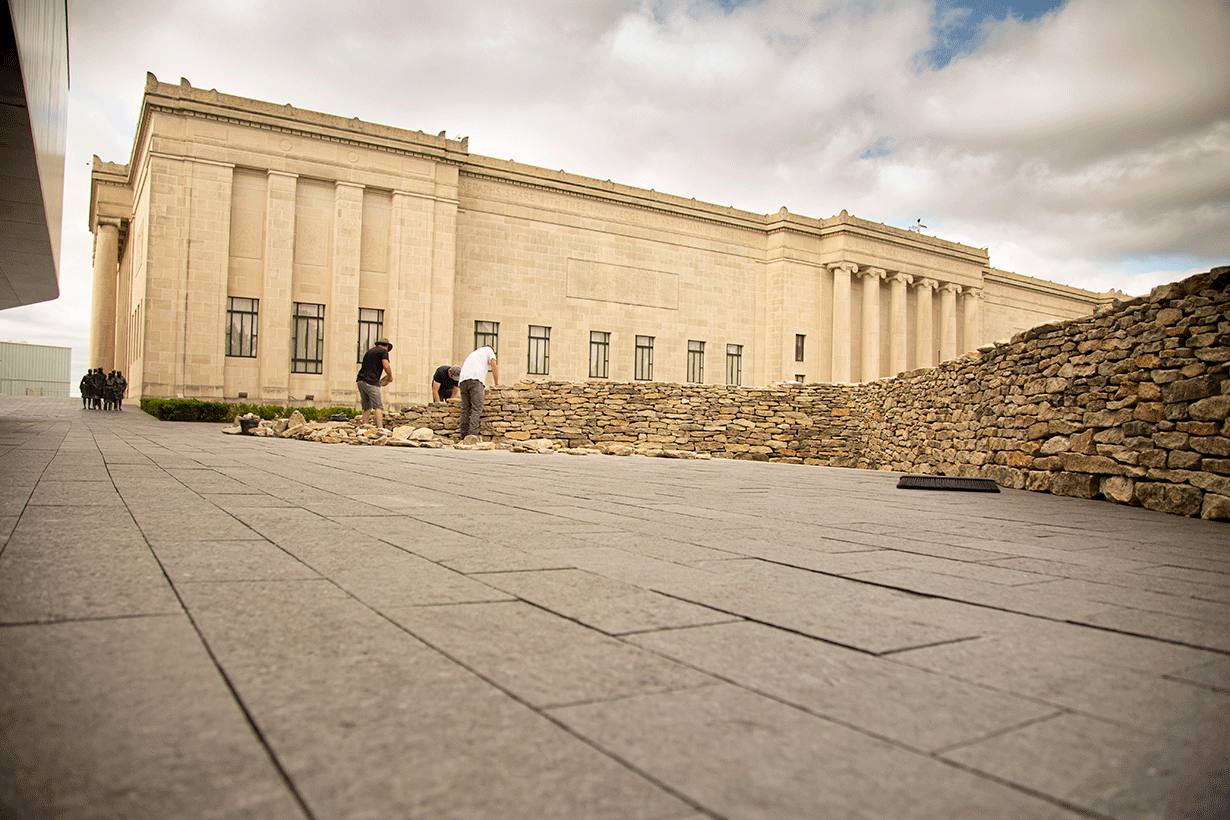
{"x": 539, "y": 357}
{"x": 308, "y": 339}
{"x": 799, "y": 339}
{"x": 599, "y": 354}
{"x": 644, "y": 358}
{"x": 487, "y": 334}
{"x": 241, "y": 327}
{"x": 371, "y": 328}
{"x": 734, "y": 364}
{"x": 696, "y": 361}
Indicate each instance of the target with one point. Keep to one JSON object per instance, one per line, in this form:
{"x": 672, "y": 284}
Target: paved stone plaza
{"x": 205, "y": 626}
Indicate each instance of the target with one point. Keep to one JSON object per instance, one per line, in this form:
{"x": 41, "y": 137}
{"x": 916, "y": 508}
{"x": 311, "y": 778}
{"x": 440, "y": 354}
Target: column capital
{"x": 973, "y": 293}
{"x": 845, "y": 267}
{"x": 273, "y": 172}
{"x": 928, "y": 284}
{"x": 951, "y": 287}
{"x": 872, "y": 273}
{"x": 903, "y": 278}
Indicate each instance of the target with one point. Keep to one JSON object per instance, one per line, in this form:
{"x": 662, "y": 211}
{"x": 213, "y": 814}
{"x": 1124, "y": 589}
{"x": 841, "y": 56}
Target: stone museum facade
{"x": 251, "y": 251}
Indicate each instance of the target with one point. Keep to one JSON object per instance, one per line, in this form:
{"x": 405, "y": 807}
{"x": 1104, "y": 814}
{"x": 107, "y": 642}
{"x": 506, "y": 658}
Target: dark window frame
{"x": 644, "y": 359}
{"x": 599, "y": 354}
{"x": 538, "y": 351}
{"x": 734, "y": 365}
{"x": 374, "y": 330}
{"x": 248, "y": 319}
{"x": 696, "y": 361}
{"x": 487, "y": 334}
{"x": 307, "y": 351}
{"x": 800, "y": 341}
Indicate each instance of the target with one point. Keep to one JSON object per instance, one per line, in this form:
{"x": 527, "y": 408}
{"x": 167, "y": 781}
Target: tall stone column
{"x": 841, "y": 319}
{"x": 342, "y": 313}
{"x": 925, "y": 346}
{"x": 948, "y": 320}
{"x": 971, "y": 305}
{"x": 275, "y": 306}
{"x": 102, "y": 309}
{"x": 898, "y": 342}
{"x": 870, "y": 370}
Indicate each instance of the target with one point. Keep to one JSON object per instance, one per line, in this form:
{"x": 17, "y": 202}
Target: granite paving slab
{"x": 127, "y": 718}
{"x": 383, "y": 664}
{"x": 921, "y": 709}
{"x": 1110, "y": 769}
{"x": 609, "y": 606}
{"x": 744, "y": 756}
{"x": 369, "y": 722}
{"x": 542, "y": 659}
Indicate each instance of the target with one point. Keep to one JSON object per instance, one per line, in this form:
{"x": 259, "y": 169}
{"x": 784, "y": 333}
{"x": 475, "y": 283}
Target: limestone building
{"x": 252, "y": 251}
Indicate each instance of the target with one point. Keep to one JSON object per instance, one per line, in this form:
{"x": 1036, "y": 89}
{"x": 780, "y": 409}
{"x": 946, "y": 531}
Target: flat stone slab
{"x": 199, "y": 625}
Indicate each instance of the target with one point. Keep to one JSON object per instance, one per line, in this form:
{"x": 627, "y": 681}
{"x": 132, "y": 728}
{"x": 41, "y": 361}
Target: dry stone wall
{"x": 1130, "y": 404}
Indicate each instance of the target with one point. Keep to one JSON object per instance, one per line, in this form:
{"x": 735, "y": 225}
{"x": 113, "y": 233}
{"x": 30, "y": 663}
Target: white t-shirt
{"x": 476, "y": 364}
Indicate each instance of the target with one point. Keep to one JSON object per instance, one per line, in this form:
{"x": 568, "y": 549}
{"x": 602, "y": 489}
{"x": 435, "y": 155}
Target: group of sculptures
{"x": 103, "y": 391}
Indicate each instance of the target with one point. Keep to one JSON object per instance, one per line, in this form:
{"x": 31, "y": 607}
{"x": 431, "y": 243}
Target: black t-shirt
{"x": 446, "y": 382}
{"x": 373, "y": 365}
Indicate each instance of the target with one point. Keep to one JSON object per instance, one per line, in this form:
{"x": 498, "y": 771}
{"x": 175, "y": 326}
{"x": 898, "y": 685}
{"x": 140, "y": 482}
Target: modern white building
{"x": 35, "y": 370}
{"x": 34, "y": 96}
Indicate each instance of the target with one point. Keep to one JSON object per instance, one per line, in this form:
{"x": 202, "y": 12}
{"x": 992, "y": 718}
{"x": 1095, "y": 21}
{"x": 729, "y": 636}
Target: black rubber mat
{"x": 943, "y": 482}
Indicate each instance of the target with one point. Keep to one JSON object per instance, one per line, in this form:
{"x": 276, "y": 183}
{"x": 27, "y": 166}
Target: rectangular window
{"x": 599, "y": 354}
{"x": 371, "y": 328}
{"x": 308, "y": 339}
{"x": 241, "y": 327}
{"x": 799, "y": 338}
{"x": 696, "y": 361}
{"x": 538, "y": 361}
{"x": 800, "y": 377}
{"x": 734, "y": 364}
{"x": 487, "y": 334}
{"x": 644, "y": 358}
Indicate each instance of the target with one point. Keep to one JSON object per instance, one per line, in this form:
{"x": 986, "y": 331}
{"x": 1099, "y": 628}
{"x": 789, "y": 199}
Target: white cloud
{"x": 1077, "y": 147}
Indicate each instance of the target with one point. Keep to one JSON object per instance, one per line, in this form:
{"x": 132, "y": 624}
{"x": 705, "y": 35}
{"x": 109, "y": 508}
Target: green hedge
{"x": 219, "y": 411}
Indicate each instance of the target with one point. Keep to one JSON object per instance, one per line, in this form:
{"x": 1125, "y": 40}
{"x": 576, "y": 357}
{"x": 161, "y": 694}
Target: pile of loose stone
{"x": 351, "y": 432}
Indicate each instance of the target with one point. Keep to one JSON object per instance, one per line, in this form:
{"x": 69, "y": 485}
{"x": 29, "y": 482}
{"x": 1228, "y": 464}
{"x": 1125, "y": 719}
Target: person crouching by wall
{"x": 444, "y": 382}
{"x": 375, "y": 366}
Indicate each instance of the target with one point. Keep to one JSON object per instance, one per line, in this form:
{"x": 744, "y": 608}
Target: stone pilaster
{"x": 972, "y": 307}
{"x": 948, "y": 320}
{"x": 870, "y": 370}
{"x": 102, "y": 309}
{"x": 925, "y": 346}
{"x": 275, "y": 306}
{"x": 898, "y": 342}
{"x": 841, "y": 319}
{"x": 342, "y": 312}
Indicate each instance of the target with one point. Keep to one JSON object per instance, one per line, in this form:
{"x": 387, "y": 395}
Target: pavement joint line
{"x": 96, "y": 619}
{"x": 984, "y": 605}
{"x": 541, "y": 712}
{"x": 283, "y": 774}
{"x": 1023, "y": 789}
{"x": 1004, "y": 730}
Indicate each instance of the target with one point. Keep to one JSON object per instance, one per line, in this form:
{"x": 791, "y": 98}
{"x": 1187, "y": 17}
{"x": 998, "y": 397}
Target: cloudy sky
{"x": 1082, "y": 141}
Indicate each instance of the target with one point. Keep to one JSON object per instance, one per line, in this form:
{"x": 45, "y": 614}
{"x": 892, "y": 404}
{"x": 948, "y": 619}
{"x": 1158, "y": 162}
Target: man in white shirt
{"x": 472, "y": 385}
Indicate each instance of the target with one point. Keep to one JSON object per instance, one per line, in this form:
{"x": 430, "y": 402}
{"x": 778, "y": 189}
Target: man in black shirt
{"x": 444, "y": 382}
{"x": 375, "y": 365}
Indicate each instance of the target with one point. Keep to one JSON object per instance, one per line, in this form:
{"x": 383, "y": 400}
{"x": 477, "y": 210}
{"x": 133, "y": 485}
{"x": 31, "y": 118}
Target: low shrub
{"x": 219, "y": 412}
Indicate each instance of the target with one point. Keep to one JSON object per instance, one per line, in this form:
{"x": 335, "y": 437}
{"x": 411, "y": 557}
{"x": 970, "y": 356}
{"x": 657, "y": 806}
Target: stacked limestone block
{"x": 1130, "y": 404}
{"x": 789, "y": 423}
